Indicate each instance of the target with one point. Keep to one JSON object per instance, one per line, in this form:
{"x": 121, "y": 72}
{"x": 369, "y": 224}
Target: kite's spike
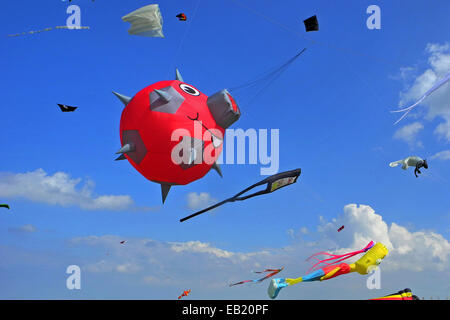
{"x": 122, "y": 98}
{"x": 163, "y": 95}
{"x": 178, "y": 75}
{"x": 121, "y": 157}
{"x": 216, "y": 167}
{"x": 165, "y": 188}
{"x": 126, "y": 148}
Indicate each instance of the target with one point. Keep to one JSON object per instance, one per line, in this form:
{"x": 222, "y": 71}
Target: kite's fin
{"x": 163, "y": 95}
{"x": 121, "y": 157}
{"x": 165, "y": 188}
{"x": 122, "y": 98}
{"x": 216, "y": 167}
{"x": 178, "y": 75}
{"x": 126, "y": 148}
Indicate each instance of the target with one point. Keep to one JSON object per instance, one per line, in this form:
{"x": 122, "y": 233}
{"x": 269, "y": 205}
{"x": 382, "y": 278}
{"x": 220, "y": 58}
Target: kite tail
{"x": 335, "y": 258}
{"x": 241, "y": 282}
{"x": 395, "y": 163}
{"x": 272, "y": 273}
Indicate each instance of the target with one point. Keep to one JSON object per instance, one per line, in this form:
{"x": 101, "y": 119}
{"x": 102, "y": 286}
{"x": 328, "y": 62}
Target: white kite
{"x": 412, "y": 161}
{"x": 146, "y": 21}
{"x": 436, "y": 86}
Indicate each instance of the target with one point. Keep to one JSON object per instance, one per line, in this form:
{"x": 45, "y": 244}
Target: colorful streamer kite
{"x": 328, "y": 268}
{"x": 404, "y": 294}
{"x": 272, "y": 273}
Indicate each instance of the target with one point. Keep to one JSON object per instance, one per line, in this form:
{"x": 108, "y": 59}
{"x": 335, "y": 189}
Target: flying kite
{"x": 181, "y": 17}
{"x": 4, "y": 206}
{"x": 412, "y": 161}
{"x": 327, "y": 268}
{"x": 340, "y": 229}
{"x": 405, "y": 294}
{"x": 436, "y": 86}
{"x": 47, "y": 29}
{"x": 311, "y": 24}
{"x": 184, "y": 294}
{"x": 146, "y": 21}
{"x": 66, "y": 108}
{"x": 267, "y": 276}
{"x": 274, "y": 182}
{"x": 122, "y": 242}
{"x": 172, "y": 133}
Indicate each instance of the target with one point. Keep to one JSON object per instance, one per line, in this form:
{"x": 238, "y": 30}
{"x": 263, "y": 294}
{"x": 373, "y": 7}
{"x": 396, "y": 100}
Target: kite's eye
{"x": 216, "y": 141}
{"x": 189, "y": 90}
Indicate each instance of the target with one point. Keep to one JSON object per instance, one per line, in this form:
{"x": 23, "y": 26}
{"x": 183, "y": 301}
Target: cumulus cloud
{"x": 442, "y": 155}
{"x": 59, "y": 189}
{"x": 27, "y": 228}
{"x": 200, "y": 247}
{"x": 437, "y": 104}
{"x": 197, "y": 201}
{"x": 419, "y": 251}
{"x": 209, "y": 267}
{"x": 409, "y": 133}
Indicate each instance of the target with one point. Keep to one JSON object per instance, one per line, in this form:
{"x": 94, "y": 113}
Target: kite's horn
{"x": 122, "y": 98}
{"x": 163, "y": 95}
{"x": 126, "y": 148}
{"x": 216, "y": 167}
{"x": 165, "y": 188}
{"x": 178, "y": 75}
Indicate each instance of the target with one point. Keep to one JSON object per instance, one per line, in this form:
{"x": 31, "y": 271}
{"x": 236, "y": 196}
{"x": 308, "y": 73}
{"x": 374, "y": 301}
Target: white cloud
{"x": 127, "y": 268}
{"x": 409, "y": 133}
{"x": 442, "y": 155}
{"x": 208, "y": 268}
{"x": 197, "y": 201}
{"x": 28, "y": 228}
{"x": 419, "y": 251}
{"x": 59, "y": 189}
{"x": 200, "y": 247}
{"x": 438, "y": 103}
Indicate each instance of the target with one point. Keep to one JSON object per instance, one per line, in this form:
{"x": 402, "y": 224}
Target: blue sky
{"x": 331, "y": 107}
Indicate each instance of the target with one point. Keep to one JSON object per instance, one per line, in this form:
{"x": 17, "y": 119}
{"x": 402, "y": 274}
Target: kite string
{"x": 299, "y": 35}
{"x": 273, "y": 75}
{"x": 296, "y": 33}
{"x": 269, "y": 73}
{"x": 180, "y": 45}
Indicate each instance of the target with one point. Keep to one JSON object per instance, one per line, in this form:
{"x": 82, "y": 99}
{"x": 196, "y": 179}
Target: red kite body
{"x": 172, "y": 134}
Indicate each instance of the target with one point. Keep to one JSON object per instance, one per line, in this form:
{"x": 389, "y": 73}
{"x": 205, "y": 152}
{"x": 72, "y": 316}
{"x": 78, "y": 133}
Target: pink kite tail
{"x": 335, "y": 258}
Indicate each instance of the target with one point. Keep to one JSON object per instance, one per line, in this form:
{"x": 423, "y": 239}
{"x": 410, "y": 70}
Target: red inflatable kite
{"x": 172, "y": 133}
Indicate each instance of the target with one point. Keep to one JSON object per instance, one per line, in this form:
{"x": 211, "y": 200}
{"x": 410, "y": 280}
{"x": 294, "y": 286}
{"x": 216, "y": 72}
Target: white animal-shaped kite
{"x": 412, "y": 161}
